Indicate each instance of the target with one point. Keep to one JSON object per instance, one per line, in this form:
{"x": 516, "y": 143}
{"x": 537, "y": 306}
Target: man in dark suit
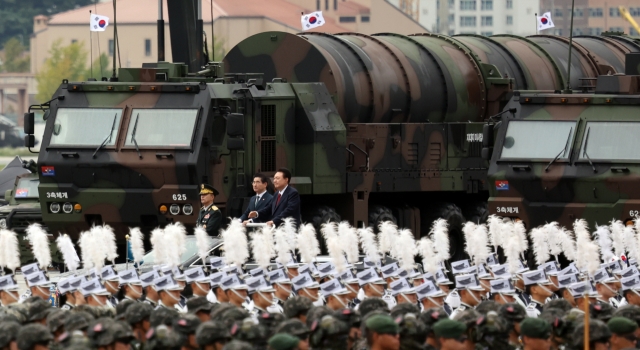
{"x": 286, "y": 203}
{"x": 261, "y": 200}
{"x": 210, "y": 217}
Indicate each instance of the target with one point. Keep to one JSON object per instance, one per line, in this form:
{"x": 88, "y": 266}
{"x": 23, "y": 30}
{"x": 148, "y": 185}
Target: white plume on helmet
{"x": 39, "y": 245}
{"x": 439, "y": 233}
{"x": 136, "y": 239}
{"x": 369, "y": 244}
{"x": 553, "y": 234}
{"x": 262, "y": 246}
{"x": 330, "y": 234}
{"x": 587, "y": 252}
{"x": 307, "y": 243}
{"x": 109, "y": 240}
{"x": 236, "y": 248}
{"x": 630, "y": 241}
{"x": 202, "y": 240}
{"x": 92, "y": 248}
{"x": 159, "y": 248}
{"x": 603, "y": 236}
{"x": 568, "y": 244}
{"x": 617, "y": 237}
{"x": 175, "y": 235}
{"x": 349, "y": 241}
{"x": 496, "y": 236}
{"x": 540, "y": 245}
{"x": 477, "y": 242}
{"x": 387, "y": 233}
{"x": 427, "y": 252}
{"x": 69, "y": 254}
{"x": 283, "y": 245}
{"x": 405, "y": 247}
{"x": 9, "y": 250}
{"x": 521, "y": 233}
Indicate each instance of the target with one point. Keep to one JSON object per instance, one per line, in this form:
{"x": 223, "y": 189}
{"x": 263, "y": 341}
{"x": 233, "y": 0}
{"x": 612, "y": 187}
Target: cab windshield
{"x": 27, "y": 188}
{"x": 161, "y": 127}
{"x": 79, "y": 127}
{"x": 538, "y": 140}
{"x": 611, "y": 141}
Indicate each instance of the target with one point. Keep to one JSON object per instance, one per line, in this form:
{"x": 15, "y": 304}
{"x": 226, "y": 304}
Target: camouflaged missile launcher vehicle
{"x": 22, "y": 210}
{"x": 382, "y": 127}
{"x": 561, "y": 157}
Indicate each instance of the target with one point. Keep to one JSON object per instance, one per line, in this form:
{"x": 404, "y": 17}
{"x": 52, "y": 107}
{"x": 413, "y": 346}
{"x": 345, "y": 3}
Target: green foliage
{"x": 98, "y": 73}
{"x": 16, "y": 16}
{"x": 64, "y": 62}
{"x": 14, "y": 62}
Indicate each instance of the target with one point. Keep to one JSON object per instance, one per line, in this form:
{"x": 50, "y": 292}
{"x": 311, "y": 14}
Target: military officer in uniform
{"x": 210, "y": 217}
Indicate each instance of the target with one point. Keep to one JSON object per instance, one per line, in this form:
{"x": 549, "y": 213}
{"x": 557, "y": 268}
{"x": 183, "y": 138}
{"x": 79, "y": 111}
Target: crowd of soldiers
{"x": 309, "y": 306}
{"x": 377, "y": 301}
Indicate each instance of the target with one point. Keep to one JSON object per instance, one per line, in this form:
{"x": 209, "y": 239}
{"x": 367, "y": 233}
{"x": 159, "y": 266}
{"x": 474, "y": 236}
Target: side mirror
{"x": 235, "y": 144}
{"x": 487, "y": 152}
{"x": 7, "y": 195}
{"x": 29, "y": 120}
{"x": 29, "y": 141}
{"x": 487, "y": 135}
{"x": 235, "y": 125}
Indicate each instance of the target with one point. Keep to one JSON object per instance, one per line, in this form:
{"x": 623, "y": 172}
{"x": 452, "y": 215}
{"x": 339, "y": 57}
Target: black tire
{"x": 454, "y": 217}
{"x": 321, "y": 215}
{"x": 379, "y": 214}
{"x": 477, "y": 212}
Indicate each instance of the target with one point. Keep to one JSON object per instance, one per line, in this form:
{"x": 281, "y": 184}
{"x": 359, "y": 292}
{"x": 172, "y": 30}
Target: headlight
{"x": 3, "y": 223}
{"x": 54, "y": 207}
{"x": 174, "y": 209}
{"x": 67, "y": 208}
{"x": 187, "y": 209}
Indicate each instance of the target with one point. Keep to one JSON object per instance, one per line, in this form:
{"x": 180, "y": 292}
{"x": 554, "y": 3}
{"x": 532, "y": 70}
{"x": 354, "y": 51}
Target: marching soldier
{"x": 261, "y": 293}
{"x": 210, "y": 217}
{"x": 8, "y": 290}
{"x": 470, "y": 290}
{"x": 536, "y": 283}
{"x": 282, "y": 286}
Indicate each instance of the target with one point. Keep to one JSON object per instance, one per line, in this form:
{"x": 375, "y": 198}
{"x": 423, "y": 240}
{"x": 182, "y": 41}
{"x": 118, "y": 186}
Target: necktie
{"x": 278, "y": 199}
{"x": 257, "y": 200}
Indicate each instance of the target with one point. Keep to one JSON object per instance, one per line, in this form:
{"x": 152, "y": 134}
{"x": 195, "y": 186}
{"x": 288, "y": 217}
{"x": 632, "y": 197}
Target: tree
{"x": 98, "y": 72}
{"x": 14, "y": 59}
{"x": 16, "y": 16}
{"x": 64, "y": 62}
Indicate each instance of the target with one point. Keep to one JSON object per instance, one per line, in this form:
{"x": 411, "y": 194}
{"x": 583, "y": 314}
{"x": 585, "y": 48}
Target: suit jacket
{"x": 288, "y": 206}
{"x": 264, "y": 202}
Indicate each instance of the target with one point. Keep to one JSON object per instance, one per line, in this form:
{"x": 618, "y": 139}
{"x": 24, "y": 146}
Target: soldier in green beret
{"x": 622, "y": 333}
{"x": 210, "y": 217}
{"x": 450, "y": 334}
{"x": 535, "y": 333}
{"x": 382, "y": 332}
{"x": 283, "y": 341}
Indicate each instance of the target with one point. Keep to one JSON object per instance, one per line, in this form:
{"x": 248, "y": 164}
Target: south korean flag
{"x": 312, "y": 20}
{"x": 545, "y": 22}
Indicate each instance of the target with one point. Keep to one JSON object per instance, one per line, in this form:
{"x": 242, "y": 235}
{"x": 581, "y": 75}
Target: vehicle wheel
{"x": 454, "y": 217}
{"x": 318, "y": 216}
{"x": 379, "y": 214}
{"x": 477, "y": 213}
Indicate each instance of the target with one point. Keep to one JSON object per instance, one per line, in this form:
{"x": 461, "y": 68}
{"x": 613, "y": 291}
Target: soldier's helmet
{"x": 598, "y": 333}
{"x": 602, "y": 311}
{"x": 561, "y": 304}
{"x": 413, "y": 332}
{"x": 372, "y": 304}
{"x": 21, "y": 311}
{"x": 351, "y": 317}
{"x": 492, "y": 331}
{"x": 8, "y": 332}
{"x": 316, "y": 314}
{"x": 31, "y": 335}
{"x": 431, "y": 316}
{"x": 122, "y": 307}
{"x": 329, "y": 333}
{"x": 251, "y": 332}
{"x": 293, "y": 327}
{"x": 631, "y": 312}
{"x": 56, "y": 319}
{"x": 271, "y": 320}
{"x": 238, "y": 345}
{"x": 161, "y": 338}
{"x": 137, "y": 313}
{"x": 296, "y": 306}
{"x": 404, "y": 308}
{"x": 487, "y": 305}
{"x": 163, "y": 316}
{"x": 186, "y": 324}
{"x": 233, "y": 315}
{"x": 39, "y": 309}
{"x": 210, "y": 332}
{"x": 123, "y": 332}
{"x": 78, "y": 321}
{"x": 101, "y": 332}
{"x": 513, "y": 312}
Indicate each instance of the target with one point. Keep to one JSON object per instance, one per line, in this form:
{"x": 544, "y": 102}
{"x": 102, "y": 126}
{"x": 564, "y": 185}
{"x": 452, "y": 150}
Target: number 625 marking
{"x": 179, "y": 197}
{"x": 634, "y": 213}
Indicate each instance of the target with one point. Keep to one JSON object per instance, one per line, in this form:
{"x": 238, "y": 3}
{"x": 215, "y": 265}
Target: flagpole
{"x": 91, "y": 43}
{"x": 536, "y": 17}
{"x": 573, "y": 3}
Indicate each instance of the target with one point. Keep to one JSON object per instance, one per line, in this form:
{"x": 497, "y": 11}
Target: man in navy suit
{"x": 261, "y": 200}
{"x": 286, "y": 203}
